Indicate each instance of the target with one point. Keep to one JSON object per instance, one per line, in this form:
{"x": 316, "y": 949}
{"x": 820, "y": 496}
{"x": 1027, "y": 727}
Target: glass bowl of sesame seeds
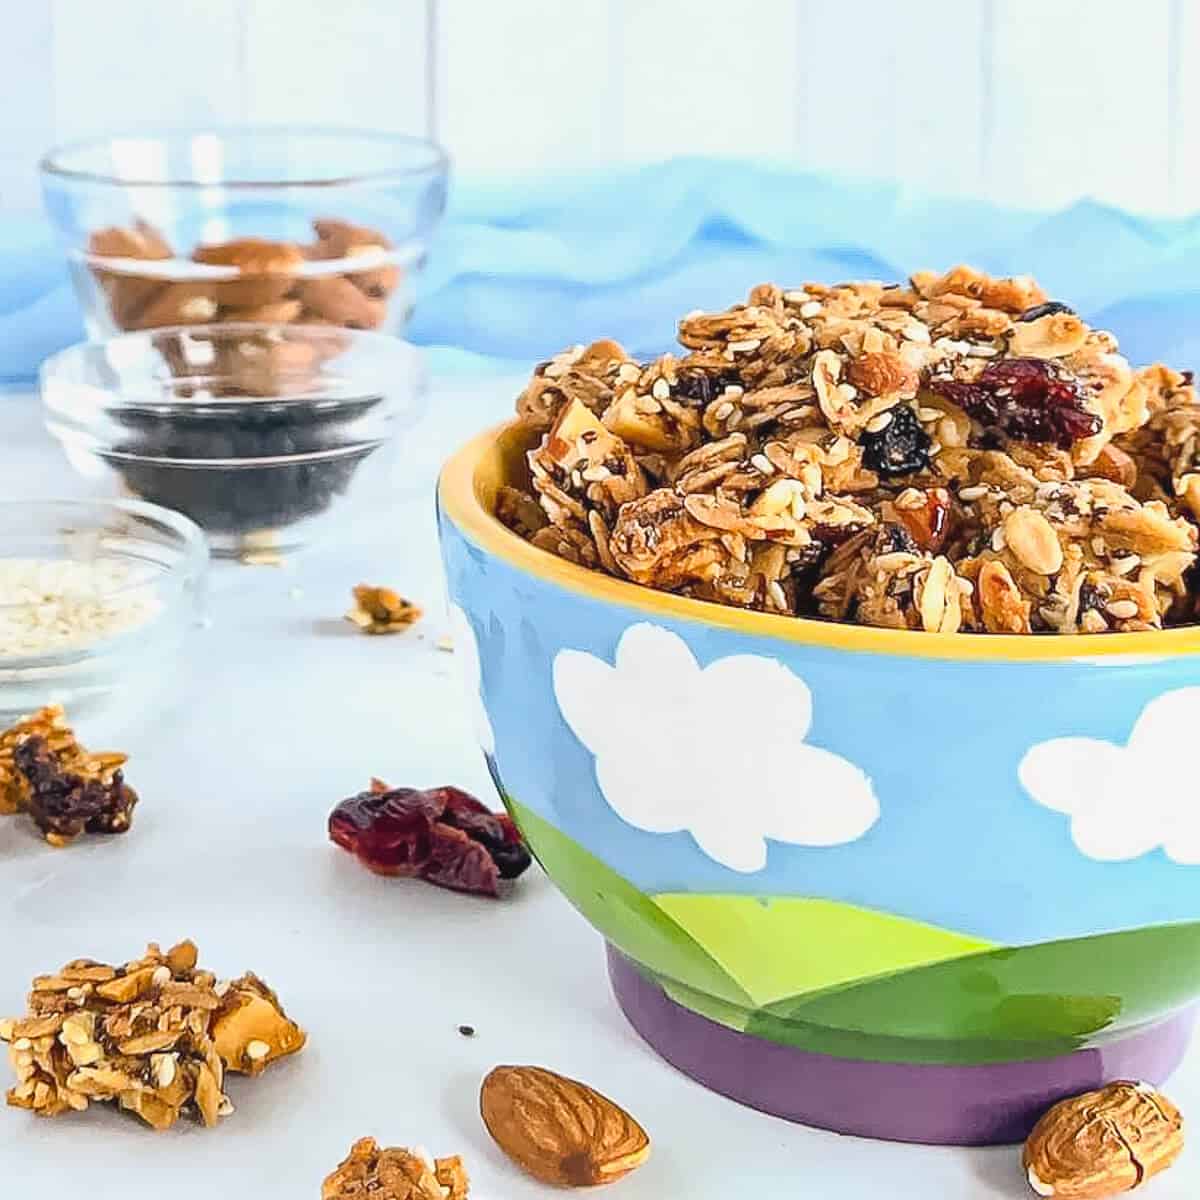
{"x": 97, "y": 599}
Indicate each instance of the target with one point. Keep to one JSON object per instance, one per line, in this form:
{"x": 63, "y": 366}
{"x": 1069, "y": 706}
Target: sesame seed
{"x": 935, "y": 448}
{"x": 998, "y": 539}
{"x": 878, "y": 423}
{"x": 722, "y": 410}
{"x": 734, "y": 390}
{"x": 1123, "y": 566}
{"x": 257, "y": 1049}
{"x": 982, "y": 351}
{"x": 777, "y": 594}
{"x": 744, "y": 346}
{"x": 976, "y": 492}
{"x": 796, "y": 297}
{"x": 929, "y": 414}
{"x": 1121, "y": 609}
{"x": 691, "y": 316}
{"x": 910, "y": 498}
{"x": 628, "y": 373}
{"x": 763, "y": 463}
{"x": 661, "y": 389}
{"x": 810, "y": 309}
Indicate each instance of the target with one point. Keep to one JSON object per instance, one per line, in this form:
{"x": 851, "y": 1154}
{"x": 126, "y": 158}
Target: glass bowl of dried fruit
{"x": 261, "y": 434}
{"x": 278, "y": 224}
{"x": 97, "y": 599}
{"x": 872, "y": 850}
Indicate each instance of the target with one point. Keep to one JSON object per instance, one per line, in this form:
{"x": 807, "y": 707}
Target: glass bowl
{"x": 96, "y": 601}
{"x": 261, "y": 434}
{"x": 192, "y": 226}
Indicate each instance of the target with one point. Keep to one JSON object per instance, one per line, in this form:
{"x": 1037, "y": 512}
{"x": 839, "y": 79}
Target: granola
{"x": 958, "y": 453}
{"x": 65, "y": 789}
{"x": 395, "y": 1174}
{"x": 380, "y": 610}
{"x": 156, "y": 1037}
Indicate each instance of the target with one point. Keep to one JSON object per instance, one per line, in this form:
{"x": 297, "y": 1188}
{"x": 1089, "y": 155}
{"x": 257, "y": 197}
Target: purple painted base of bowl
{"x": 990, "y": 1104}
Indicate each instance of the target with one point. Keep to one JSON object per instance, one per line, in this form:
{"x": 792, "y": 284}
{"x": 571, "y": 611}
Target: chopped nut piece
{"x": 154, "y": 1036}
{"x": 381, "y": 610}
{"x": 395, "y": 1174}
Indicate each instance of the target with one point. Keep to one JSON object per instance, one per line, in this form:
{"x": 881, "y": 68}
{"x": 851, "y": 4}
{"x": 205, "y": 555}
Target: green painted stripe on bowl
{"x": 780, "y": 947}
{"x": 626, "y": 916}
{"x": 1003, "y": 1005}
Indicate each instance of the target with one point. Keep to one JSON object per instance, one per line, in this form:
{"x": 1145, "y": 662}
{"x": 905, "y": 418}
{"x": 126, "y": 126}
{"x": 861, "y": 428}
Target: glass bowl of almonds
{"x": 97, "y": 599}
{"x": 280, "y": 224}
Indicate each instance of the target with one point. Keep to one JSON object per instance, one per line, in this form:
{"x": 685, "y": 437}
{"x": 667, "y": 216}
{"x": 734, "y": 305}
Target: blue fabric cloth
{"x": 522, "y": 268}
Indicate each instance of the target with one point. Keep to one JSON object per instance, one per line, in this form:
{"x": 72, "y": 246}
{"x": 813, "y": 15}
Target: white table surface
{"x": 287, "y": 710}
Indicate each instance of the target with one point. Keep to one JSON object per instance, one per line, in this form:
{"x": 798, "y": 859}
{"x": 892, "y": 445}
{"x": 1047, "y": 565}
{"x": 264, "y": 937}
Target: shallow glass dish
{"x": 263, "y": 435}
{"x": 97, "y": 599}
{"x": 187, "y": 226}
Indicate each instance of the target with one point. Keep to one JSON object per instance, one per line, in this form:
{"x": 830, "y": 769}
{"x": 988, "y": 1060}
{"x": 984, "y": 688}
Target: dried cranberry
{"x": 460, "y": 863}
{"x": 899, "y": 448}
{"x": 391, "y": 832}
{"x": 443, "y": 835}
{"x": 1046, "y": 310}
{"x": 1029, "y": 399}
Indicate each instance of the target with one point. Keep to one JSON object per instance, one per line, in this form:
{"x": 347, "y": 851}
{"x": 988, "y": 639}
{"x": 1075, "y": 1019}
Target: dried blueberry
{"x": 899, "y": 448}
{"x": 895, "y": 539}
{"x": 1028, "y": 399}
{"x": 1046, "y": 310}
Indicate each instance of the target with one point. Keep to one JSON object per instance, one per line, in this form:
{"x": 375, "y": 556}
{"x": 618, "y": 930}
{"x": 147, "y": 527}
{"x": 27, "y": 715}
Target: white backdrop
{"x": 1033, "y": 102}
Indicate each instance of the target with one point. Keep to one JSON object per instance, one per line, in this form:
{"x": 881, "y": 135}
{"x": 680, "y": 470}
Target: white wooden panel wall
{"x": 1034, "y": 102}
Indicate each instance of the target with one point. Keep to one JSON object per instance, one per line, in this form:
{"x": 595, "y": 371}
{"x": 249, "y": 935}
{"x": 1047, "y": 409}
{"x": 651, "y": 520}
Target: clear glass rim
{"x": 403, "y": 359}
{"x": 192, "y": 543}
{"x": 437, "y": 161}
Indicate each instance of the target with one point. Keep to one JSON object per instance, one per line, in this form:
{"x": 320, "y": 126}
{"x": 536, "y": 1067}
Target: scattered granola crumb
{"x": 381, "y": 610}
{"x": 445, "y": 644}
{"x": 396, "y": 1174}
{"x": 155, "y": 1037}
{"x": 65, "y": 789}
{"x": 468, "y": 1031}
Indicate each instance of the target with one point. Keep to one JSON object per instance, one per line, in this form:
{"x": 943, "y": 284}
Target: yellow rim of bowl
{"x": 467, "y": 489}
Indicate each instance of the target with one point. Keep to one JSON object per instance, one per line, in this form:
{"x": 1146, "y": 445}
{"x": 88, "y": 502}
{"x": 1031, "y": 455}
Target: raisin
{"x": 443, "y": 835}
{"x": 65, "y": 804}
{"x": 703, "y": 387}
{"x": 1027, "y": 399}
{"x": 899, "y": 448}
{"x": 1046, "y": 310}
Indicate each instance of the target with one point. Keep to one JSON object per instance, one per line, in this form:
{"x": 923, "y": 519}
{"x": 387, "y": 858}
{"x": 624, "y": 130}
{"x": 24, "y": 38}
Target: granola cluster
{"x": 66, "y": 789}
{"x": 395, "y": 1174}
{"x": 155, "y": 1036}
{"x": 957, "y": 453}
{"x": 379, "y": 610}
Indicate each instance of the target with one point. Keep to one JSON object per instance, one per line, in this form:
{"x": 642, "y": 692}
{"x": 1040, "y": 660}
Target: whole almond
{"x": 280, "y": 312}
{"x": 333, "y": 298}
{"x": 1033, "y": 540}
{"x": 560, "y": 1130}
{"x": 266, "y": 268}
{"x": 176, "y": 304}
{"x": 1103, "y": 1143}
{"x": 141, "y": 241}
{"x": 883, "y": 373}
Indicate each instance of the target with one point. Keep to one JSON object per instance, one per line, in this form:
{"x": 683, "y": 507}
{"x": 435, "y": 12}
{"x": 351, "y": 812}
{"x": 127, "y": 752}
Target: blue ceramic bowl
{"x": 909, "y": 885}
